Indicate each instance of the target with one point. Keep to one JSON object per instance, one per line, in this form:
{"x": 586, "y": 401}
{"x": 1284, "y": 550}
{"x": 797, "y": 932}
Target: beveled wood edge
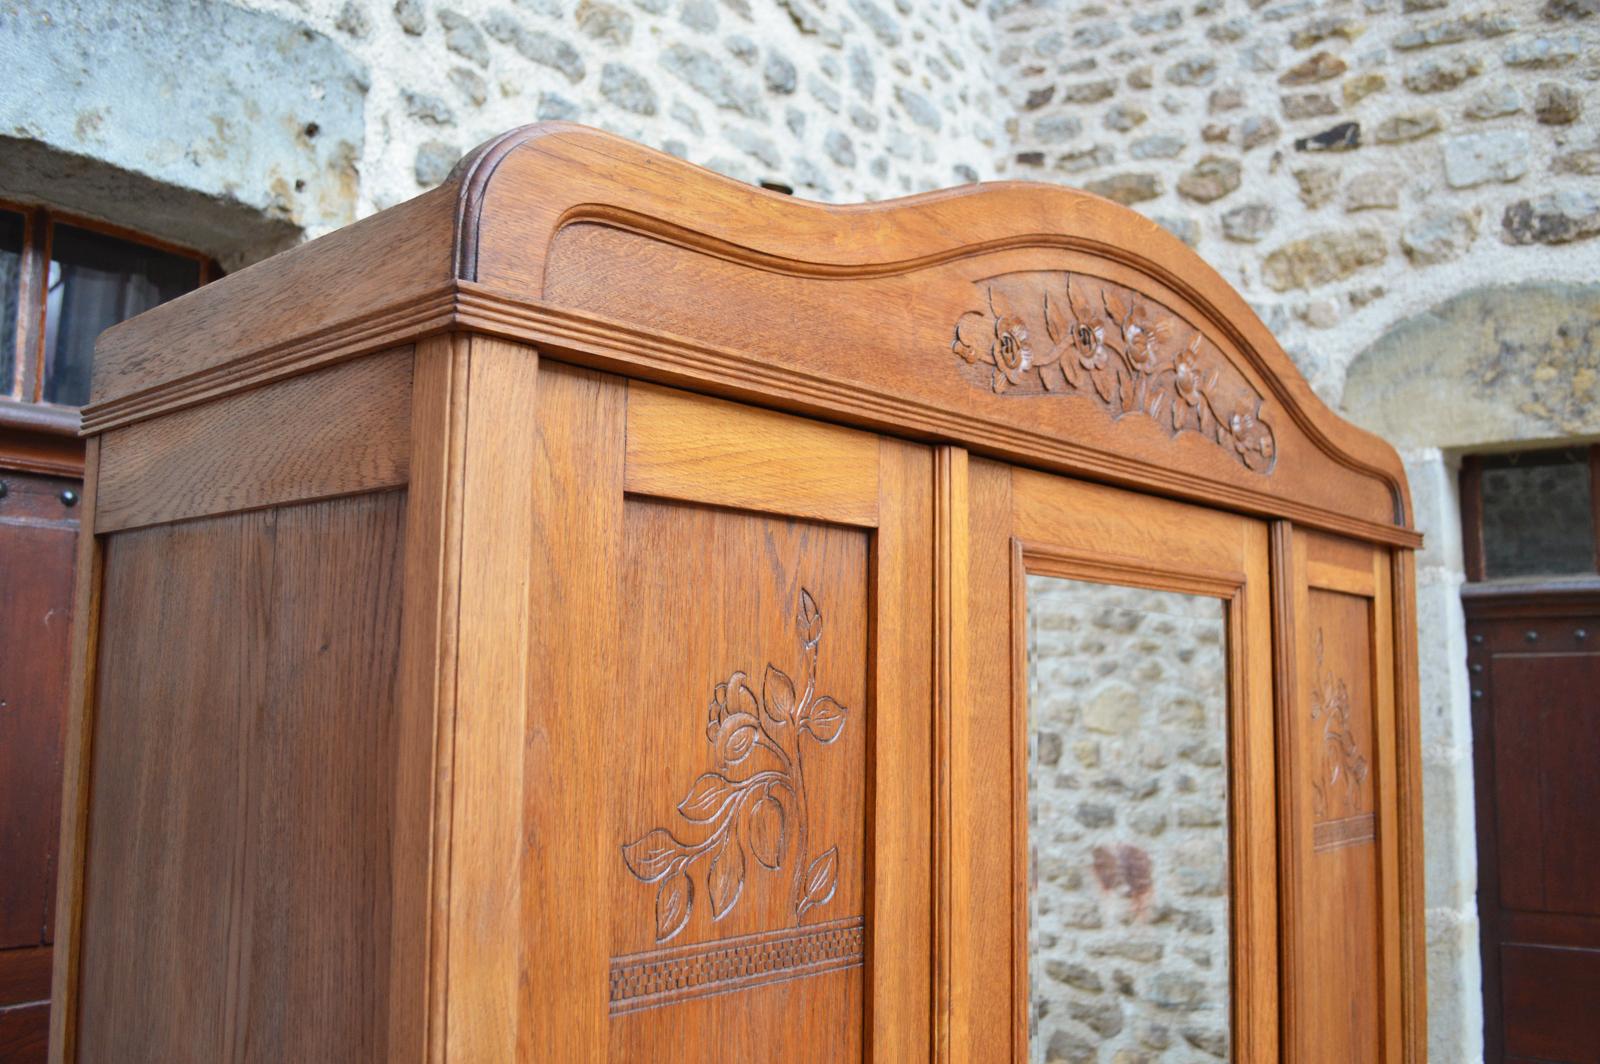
{"x": 1287, "y": 566}
{"x": 1408, "y": 770}
{"x": 425, "y": 704}
{"x": 297, "y": 440}
{"x": 76, "y": 757}
{"x": 604, "y": 343}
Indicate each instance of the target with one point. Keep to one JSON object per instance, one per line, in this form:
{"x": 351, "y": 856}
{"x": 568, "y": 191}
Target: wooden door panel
{"x": 1546, "y": 751}
{"x": 38, "y": 537}
{"x": 1535, "y": 744}
{"x": 741, "y": 787}
{"x": 1337, "y": 794}
{"x": 758, "y": 716}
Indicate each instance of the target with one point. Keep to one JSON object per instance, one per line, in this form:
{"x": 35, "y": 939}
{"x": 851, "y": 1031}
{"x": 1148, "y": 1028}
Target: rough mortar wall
{"x": 1128, "y": 838}
{"x": 843, "y": 100}
{"x": 1344, "y": 163}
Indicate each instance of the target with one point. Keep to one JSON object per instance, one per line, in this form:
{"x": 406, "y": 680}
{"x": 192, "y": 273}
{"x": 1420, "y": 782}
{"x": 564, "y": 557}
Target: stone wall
{"x": 1344, "y": 163}
{"x": 1128, "y": 795}
{"x": 841, "y": 100}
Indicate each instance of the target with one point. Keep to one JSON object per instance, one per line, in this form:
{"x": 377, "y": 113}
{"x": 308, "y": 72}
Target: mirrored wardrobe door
{"x": 1131, "y": 713}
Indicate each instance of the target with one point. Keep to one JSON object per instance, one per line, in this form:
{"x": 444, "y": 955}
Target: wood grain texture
{"x": 952, "y": 568}
{"x": 795, "y": 853}
{"x": 552, "y": 225}
{"x": 1340, "y": 802}
{"x": 487, "y": 967}
{"x": 328, "y": 288}
{"x": 207, "y": 778}
{"x": 77, "y": 747}
{"x": 575, "y": 546}
{"x": 748, "y": 458}
{"x": 899, "y": 949}
{"x": 38, "y": 541}
{"x": 338, "y": 431}
{"x": 1412, "y": 835}
{"x": 426, "y": 701}
{"x": 988, "y": 1001}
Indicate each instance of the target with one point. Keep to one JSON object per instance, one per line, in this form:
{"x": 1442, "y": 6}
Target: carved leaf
{"x": 825, "y": 719}
{"x": 653, "y": 856}
{"x": 767, "y": 831}
{"x": 822, "y": 879}
{"x": 809, "y": 619}
{"x": 706, "y": 798}
{"x": 740, "y": 698}
{"x": 738, "y": 738}
{"x": 1115, "y": 307}
{"x": 971, "y": 341}
{"x": 1000, "y": 305}
{"x": 674, "y": 898}
{"x": 777, "y": 692}
{"x": 725, "y": 881}
{"x": 1055, "y": 323}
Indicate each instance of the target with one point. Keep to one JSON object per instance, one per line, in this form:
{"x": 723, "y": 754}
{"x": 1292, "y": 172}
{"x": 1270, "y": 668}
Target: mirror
{"x": 1127, "y": 824}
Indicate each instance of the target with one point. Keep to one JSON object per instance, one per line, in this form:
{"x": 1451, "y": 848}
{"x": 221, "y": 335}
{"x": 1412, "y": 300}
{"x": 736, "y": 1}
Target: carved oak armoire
{"x": 599, "y": 610}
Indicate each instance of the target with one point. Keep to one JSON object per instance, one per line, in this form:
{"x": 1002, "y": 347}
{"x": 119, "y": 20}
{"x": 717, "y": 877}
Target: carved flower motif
{"x": 1188, "y": 376}
{"x": 1142, "y": 335}
{"x": 1109, "y": 343}
{"x": 1088, "y": 331}
{"x": 1250, "y": 438}
{"x": 1013, "y": 355}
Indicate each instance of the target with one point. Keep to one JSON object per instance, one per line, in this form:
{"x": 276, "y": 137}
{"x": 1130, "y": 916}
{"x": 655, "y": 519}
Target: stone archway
{"x": 1491, "y": 366}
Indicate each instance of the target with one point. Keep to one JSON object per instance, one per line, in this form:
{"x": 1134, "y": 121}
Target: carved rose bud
{"x": 1090, "y": 341}
{"x": 1188, "y": 375}
{"x": 1013, "y": 355}
{"x": 1251, "y": 439}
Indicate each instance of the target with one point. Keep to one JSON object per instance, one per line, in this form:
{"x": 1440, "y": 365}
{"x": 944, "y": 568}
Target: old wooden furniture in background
{"x": 62, "y": 280}
{"x": 579, "y": 614}
{"x": 1533, "y": 659}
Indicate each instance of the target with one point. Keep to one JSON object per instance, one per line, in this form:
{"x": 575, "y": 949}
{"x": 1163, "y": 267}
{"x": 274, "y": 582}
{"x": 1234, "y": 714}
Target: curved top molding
{"x": 1030, "y": 322}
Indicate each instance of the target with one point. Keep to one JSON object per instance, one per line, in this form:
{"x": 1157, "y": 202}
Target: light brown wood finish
{"x": 212, "y": 770}
{"x": 618, "y": 496}
{"x": 339, "y": 431}
{"x": 426, "y": 703}
{"x": 1344, "y": 944}
{"x": 76, "y": 754}
{"x": 1408, "y": 790}
{"x": 553, "y": 225}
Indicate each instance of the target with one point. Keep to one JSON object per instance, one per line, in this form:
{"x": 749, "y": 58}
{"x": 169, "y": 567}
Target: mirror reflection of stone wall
{"x": 1127, "y": 790}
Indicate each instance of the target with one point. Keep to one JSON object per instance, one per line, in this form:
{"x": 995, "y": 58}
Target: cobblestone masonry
{"x": 1127, "y": 825}
{"x": 841, "y": 100}
{"x": 1342, "y": 162}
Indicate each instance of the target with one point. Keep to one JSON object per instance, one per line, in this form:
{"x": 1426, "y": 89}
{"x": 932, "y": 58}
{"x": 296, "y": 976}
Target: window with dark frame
{"x": 1531, "y": 515}
{"x": 64, "y": 280}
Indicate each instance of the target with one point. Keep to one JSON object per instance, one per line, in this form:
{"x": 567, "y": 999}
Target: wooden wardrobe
{"x": 599, "y": 610}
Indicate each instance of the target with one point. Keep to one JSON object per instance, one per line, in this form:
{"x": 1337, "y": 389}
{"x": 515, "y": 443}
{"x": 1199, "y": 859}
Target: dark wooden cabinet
{"x": 584, "y": 614}
{"x": 38, "y": 536}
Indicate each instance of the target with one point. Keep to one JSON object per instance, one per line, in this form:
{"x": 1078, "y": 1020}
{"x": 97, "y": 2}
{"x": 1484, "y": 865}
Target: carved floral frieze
{"x": 1071, "y": 334}
{"x": 763, "y": 813}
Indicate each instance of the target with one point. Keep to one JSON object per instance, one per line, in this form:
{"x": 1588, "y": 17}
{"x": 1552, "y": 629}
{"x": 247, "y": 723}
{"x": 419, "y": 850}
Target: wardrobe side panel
{"x": 236, "y": 899}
